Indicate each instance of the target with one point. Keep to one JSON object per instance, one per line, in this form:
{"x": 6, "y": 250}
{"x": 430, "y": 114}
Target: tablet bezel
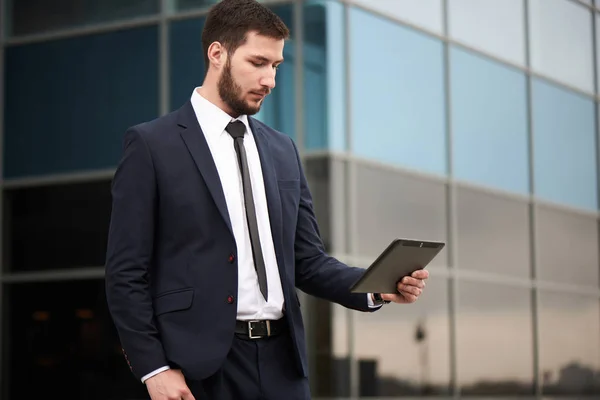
{"x": 430, "y": 250}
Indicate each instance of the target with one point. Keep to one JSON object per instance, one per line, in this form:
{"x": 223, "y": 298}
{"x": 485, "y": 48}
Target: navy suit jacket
{"x": 171, "y": 268}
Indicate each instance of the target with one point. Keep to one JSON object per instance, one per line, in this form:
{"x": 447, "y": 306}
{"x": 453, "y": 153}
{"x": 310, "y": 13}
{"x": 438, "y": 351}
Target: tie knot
{"x": 236, "y": 129}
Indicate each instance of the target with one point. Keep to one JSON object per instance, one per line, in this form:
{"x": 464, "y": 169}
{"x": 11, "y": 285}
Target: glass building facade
{"x": 473, "y": 122}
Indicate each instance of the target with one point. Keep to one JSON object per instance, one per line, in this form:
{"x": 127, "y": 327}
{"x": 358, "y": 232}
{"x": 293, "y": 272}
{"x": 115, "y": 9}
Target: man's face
{"x": 249, "y": 74}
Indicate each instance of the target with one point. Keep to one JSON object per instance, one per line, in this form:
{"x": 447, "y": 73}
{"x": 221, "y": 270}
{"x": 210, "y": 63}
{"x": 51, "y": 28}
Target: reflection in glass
{"x": 569, "y": 348}
{"x": 564, "y": 145}
{"x": 426, "y": 14}
{"x": 391, "y": 205}
{"x": 61, "y": 343}
{"x": 69, "y": 101}
{"x": 561, "y": 42}
{"x": 406, "y": 82}
{"x": 405, "y": 349}
{"x": 36, "y": 16}
{"x": 501, "y": 32}
{"x": 56, "y": 226}
{"x": 327, "y": 341}
{"x": 318, "y": 63}
{"x": 318, "y": 176}
{"x": 493, "y": 233}
{"x": 567, "y": 247}
{"x": 486, "y": 128}
{"x": 597, "y": 21}
{"x": 494, "y": 340}
{"x": 186, "y": 59}
{"x": 181, "y": 5}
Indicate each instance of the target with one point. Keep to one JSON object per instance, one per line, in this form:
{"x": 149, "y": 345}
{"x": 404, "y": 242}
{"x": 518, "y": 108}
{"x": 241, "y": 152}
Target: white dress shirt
{"x": 251, "y": 304}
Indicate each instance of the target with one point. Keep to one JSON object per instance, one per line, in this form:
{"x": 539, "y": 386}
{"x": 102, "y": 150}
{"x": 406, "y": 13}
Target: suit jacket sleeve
{"x": 317, "y": 273}
{"x": 129, "y": 256}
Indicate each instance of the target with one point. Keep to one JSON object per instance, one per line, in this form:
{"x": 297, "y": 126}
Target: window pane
{"x": 324, "y": 76}
{"x": 56, "y": 226}
{"x": 427, "y": 14}
{"x": 406, "y": 82}
{"x": 186, "y": 59}
{"x": 494, "y": 358}
{"x": 187, "y": 72}
{"x": 406, "y": 350}
{"x": 392, "y": 205}
{"x": 569, "y": 348}
{"x": 564, "y": 146}
{"x": 182, "y": 5}
{"x": 327, "y": 329}
{"x": 597, "y": 16}
{"x": 489, "y": 122}
{"x": 561, "y": 42}
{"x": 496, "y": 27}
{"x": 340, "y": 349}
{"x": 187, "y": 4}
{"x": 493, "y": 233}
{"x": 64, "y": 341}
{"x": 567, "y": 247}
{"x": 69, "y": 101}
{"x": 318, "y": 175}
{"x": 35, "y": 16}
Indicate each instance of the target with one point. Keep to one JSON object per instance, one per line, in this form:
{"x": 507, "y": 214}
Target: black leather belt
{"x": 256, "y": 329}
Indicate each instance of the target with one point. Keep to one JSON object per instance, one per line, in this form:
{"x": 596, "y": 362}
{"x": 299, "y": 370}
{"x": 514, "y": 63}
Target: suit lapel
{"x": 196, "y": 143}
{"x": 271, "y": 189}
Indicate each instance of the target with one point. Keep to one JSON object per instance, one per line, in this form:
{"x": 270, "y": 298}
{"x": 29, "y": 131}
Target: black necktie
{"x": 237, "y": 129}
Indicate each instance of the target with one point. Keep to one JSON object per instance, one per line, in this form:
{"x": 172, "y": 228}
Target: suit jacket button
{"x": 230, "y": 299}
{"x": 231, "y": 258}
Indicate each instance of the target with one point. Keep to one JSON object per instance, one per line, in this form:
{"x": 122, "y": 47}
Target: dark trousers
{"x": 255, "y": 369}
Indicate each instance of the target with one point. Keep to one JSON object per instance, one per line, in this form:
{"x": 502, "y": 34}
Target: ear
{"x": 217, "y": 55}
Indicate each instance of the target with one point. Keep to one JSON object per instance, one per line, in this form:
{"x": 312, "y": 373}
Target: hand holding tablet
{"x": 399, "y": 260}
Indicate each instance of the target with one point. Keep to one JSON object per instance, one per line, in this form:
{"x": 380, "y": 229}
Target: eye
{"x": 257, "y": 64}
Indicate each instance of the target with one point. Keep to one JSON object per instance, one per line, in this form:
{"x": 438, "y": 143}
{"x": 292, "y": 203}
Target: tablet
{"x": 401, "y": 258}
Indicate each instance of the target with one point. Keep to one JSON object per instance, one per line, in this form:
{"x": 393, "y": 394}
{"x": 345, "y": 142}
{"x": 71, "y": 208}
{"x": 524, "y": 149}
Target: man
{"x": 212, "y": 230}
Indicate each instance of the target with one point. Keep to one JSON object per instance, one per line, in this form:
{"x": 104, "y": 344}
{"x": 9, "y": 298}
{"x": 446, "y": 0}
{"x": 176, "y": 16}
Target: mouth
{"x": 259, "y": 95}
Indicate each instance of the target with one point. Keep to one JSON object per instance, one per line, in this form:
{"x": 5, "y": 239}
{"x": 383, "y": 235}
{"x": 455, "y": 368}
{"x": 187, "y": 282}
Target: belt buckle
{"x": 267, "y": 322}
{"x": 250, "y": 330}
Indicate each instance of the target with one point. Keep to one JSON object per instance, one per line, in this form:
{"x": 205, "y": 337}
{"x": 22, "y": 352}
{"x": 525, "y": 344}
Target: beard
{"x": 231, "y": 93}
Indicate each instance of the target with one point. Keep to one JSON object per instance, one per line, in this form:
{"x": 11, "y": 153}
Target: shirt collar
{"x": 211, "y": 118}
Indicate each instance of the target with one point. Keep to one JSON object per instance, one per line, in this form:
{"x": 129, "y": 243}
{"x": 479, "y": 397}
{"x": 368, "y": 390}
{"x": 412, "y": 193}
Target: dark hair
{"x": 229, "y": 21}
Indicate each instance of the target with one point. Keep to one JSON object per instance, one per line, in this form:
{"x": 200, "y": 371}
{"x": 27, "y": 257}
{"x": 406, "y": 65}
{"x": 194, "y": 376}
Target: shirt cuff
{"x": 155, "y": 372}
{"x": 370, "y": 301}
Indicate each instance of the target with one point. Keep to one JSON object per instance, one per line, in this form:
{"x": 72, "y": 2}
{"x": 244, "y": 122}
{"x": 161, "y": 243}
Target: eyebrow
{"x": 265, "y": 59}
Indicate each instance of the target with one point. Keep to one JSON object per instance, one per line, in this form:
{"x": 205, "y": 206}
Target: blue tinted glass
{"x": 187, "y": 71}
{"x": 187, "y": 4}
{"x": 564, "y": 146}
{"x": 398, "y": 106}
{"x": 315, "y": 75}
{"x": 36, "y": 16}
{"x": 69, "y": 102}
{"x": 324, "y": 76}
{"x": 489, "y": 122}
{"x": 186, "y": 59}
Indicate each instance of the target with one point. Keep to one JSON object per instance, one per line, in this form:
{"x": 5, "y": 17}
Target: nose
{"x": 268, "y": 79}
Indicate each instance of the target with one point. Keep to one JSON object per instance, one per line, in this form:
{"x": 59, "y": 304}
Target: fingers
{"x": 407, "y": 280}
{"x": 409, "y": 289}
{"x": 420, "y": 274}
{"x": 408, "y": 298}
